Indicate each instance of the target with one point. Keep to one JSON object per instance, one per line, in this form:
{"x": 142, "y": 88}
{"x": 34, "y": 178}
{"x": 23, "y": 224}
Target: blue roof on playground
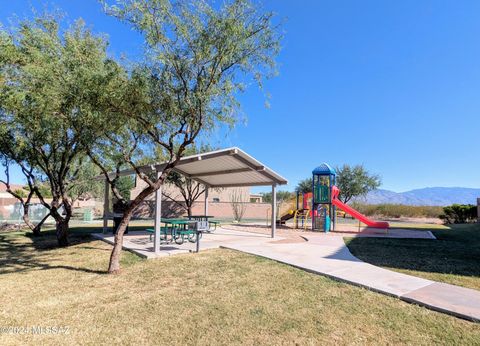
{"x": 324, "y": 168}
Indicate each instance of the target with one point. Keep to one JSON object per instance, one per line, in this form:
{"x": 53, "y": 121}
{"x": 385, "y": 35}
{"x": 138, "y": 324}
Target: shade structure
{"x": 231, "y": 167}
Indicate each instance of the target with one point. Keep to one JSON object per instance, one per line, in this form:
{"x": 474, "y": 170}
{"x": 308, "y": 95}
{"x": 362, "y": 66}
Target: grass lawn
{"x": 215, "y": 297}
{"x": 453, "y": 258}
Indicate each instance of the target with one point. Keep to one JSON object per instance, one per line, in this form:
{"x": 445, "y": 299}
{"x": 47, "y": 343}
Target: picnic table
{"x": 178, "y": 230}
{"x": 181, "y": 229}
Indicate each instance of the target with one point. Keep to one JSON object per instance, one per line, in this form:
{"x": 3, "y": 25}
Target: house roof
{"x": 229, "y": 167}
{"x": 14, "y": 187}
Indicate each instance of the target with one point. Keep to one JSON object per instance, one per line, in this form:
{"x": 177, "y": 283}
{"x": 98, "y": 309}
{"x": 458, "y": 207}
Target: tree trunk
{"x": 38, "y": 227}
{"x": 26, "y": 219}
{"x": 37, "y": 230}
{"x": 189, "y": 211}
{"x": 114, "y": 265}
{"x": 62, "y": 222}
{"x": 62, "y": 232}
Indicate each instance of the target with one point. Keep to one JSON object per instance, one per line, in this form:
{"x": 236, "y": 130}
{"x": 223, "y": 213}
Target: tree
{"x": 124, "y": 185}
{"x": 49, "y": 81}
{"x": 237, "y": 202}
{"x": 304, "y": 186}
{"x": 282, "y": 196}
{"x": 355, "y": 181}
{"x": 199, "y": 58}
{"x": 22, "y": 196}
{"x": 86, "y": 186}
{"x": 459, "y": 213}
{"x": 190, "y": 190}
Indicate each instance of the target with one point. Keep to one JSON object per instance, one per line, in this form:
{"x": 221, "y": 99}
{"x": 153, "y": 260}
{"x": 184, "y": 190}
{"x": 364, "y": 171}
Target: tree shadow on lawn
{"x": 42, "y": 253}
{"x": 456, "y": 251}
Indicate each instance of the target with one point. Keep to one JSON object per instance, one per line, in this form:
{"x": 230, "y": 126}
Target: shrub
{"x": 397, "y": 210}
{"x": 237, "y": 202}
{"x": 459, "y": 213}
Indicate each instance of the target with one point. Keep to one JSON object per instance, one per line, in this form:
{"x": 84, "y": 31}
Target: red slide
{"x": 355, "y": 213}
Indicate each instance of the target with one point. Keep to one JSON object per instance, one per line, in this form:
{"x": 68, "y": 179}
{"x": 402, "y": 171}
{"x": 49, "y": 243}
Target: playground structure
{"x": 320, "y": 205}
{"x": 301, "y": 211}
{"x": 324, "y": 212}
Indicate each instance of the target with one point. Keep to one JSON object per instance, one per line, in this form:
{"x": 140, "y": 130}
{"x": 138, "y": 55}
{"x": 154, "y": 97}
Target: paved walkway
{"x": 326, "y": 255}
{"x": 140, "y": 243}
{"x": 329, "y": 256}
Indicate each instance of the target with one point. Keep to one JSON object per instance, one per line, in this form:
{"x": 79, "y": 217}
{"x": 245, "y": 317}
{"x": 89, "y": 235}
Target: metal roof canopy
{"x": 231, "y": 167}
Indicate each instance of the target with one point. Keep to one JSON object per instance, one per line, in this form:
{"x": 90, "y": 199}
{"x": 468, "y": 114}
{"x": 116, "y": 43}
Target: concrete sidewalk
{"x": 139, "y": 242}
{"x": 329, "y": 256}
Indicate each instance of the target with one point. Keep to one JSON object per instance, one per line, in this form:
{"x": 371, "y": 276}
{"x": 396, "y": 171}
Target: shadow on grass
{"x": 43, "y": 252}
{"x": 456, "y": 251}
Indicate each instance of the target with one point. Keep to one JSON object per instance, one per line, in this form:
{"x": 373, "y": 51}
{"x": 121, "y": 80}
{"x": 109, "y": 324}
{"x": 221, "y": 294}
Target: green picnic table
{"x": 177, "y": 229}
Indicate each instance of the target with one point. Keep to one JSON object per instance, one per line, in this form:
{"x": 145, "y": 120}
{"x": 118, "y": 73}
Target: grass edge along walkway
{"x": 453, "y": 258}
{"x": 231, "y": 298}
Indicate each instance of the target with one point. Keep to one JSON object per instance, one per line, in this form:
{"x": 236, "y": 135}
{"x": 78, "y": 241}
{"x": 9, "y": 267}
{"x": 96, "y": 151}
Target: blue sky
{"x": 394, "y": 85}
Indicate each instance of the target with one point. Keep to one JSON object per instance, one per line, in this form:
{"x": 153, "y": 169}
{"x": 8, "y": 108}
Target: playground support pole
{"x": 296, "y": 209}
{"x": 334, "y": 220}
{"x": 274, "y": 210}
{"x": 313, "y": 202}
{"x": 331, "y": 211}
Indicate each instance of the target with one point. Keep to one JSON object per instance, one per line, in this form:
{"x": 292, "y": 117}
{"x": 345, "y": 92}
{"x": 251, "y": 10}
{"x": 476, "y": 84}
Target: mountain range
{"x": 427, "y": 196}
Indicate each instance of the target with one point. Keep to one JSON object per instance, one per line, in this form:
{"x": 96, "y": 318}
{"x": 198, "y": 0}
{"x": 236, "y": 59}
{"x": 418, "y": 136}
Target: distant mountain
{"x": 427, "y": 196}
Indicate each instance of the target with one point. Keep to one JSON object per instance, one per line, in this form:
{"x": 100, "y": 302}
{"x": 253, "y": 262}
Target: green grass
{"x": 453, "y": 258}
{"x": 217, "y": 297}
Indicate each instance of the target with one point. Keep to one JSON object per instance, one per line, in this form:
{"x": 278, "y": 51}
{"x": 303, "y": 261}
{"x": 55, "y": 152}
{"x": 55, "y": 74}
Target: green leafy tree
{"x": 355, "y": 181}
{"x": 10, "y": 155}
{"x": 459, "y": 213}
{"x": 199, "y": 58}
{"x": 185, "y": 191}
{"x": 282, "y": 196}
{"x": 86, "y": 186}
{"x": 125, "y": 185}
{"x": 304, "y": 186}
{"x": 49, "y": 81}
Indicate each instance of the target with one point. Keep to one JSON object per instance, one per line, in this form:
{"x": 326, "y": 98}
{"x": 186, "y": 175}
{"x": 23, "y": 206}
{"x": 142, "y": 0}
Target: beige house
{"x": 256, "y": 198}
{"x": 219, "y": 200}
{"x": 214, "y": 195}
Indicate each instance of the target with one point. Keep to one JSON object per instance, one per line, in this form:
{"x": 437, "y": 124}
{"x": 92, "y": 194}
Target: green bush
{"x": 397, "y": 210}
{"x": 459, "y": 213}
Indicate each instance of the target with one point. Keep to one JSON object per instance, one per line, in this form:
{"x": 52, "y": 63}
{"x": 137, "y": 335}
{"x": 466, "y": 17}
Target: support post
{"x": 158, "y": 220}
{"x": 206, "y": 201}
{"x": 274, "y": 210}
{"x": 313, "y": 202}
{"x": 106, "y": 206}
{"x": 478, "y": 210}
{"x": 334, "y": 207}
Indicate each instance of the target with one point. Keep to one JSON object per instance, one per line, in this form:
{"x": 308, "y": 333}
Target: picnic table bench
{"x": 179, "y": 230}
